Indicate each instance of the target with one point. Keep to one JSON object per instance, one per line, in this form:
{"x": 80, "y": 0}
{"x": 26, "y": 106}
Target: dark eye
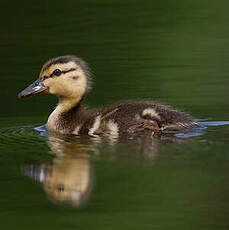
{"x": 57, "y": 72}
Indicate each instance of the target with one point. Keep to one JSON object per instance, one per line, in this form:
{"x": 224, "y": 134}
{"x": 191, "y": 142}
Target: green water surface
{"x": 172, "y": 51}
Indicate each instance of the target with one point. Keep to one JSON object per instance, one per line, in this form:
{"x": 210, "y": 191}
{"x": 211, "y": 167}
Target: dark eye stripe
{"x": 66, "y": 71}
{"x": 51, "y": 75}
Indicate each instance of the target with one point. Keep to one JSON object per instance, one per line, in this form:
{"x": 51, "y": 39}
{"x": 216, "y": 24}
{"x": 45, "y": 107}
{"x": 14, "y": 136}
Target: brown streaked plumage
{"x": 68, "y": 77}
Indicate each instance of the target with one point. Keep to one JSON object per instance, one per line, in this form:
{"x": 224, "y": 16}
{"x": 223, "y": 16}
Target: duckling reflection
{"x": 69, "y": 179}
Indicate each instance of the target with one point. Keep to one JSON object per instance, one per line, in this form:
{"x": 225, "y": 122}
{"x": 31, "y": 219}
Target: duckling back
{"x": 135, "y": 117}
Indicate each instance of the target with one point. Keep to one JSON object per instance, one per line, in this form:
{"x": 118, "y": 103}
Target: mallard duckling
{"x": 68, "y": 77}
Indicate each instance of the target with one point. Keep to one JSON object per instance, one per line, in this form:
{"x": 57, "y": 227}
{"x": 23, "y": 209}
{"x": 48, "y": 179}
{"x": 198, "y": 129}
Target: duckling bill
{"x": 68, "y": 77}
{"x": 33, "y": 89}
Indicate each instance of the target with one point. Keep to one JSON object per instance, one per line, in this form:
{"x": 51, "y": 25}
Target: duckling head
{"x": 66, "y": 77}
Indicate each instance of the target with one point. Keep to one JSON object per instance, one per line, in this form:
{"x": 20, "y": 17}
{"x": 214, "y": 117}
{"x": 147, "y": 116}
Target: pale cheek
{"x": 77, "y": 86}
{"x": 57, "y": 89}
{"x": 48, "y": 83}
{"x": 67, "y": 86}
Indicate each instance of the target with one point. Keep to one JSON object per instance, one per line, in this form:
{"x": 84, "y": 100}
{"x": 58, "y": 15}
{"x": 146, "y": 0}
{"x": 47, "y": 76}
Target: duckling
{"x": 68, "y": 77}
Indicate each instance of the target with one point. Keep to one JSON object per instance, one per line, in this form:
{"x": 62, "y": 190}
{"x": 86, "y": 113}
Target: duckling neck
{"x": 67, "y": 116}
{"x": 67, "y": 104}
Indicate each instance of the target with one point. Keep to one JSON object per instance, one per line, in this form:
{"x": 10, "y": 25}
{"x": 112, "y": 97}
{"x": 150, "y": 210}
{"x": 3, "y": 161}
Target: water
{"x": 176, "y": 52}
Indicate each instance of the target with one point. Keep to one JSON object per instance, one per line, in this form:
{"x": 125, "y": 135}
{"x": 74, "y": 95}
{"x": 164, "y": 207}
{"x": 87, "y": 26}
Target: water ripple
{"x": 19, "y": 135}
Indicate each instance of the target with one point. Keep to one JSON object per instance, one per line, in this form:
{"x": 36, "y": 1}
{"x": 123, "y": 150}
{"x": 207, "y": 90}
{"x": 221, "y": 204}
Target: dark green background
{"x": 173, "y": 51}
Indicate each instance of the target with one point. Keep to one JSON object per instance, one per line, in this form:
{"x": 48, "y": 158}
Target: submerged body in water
{"x": 68, "y": 78}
